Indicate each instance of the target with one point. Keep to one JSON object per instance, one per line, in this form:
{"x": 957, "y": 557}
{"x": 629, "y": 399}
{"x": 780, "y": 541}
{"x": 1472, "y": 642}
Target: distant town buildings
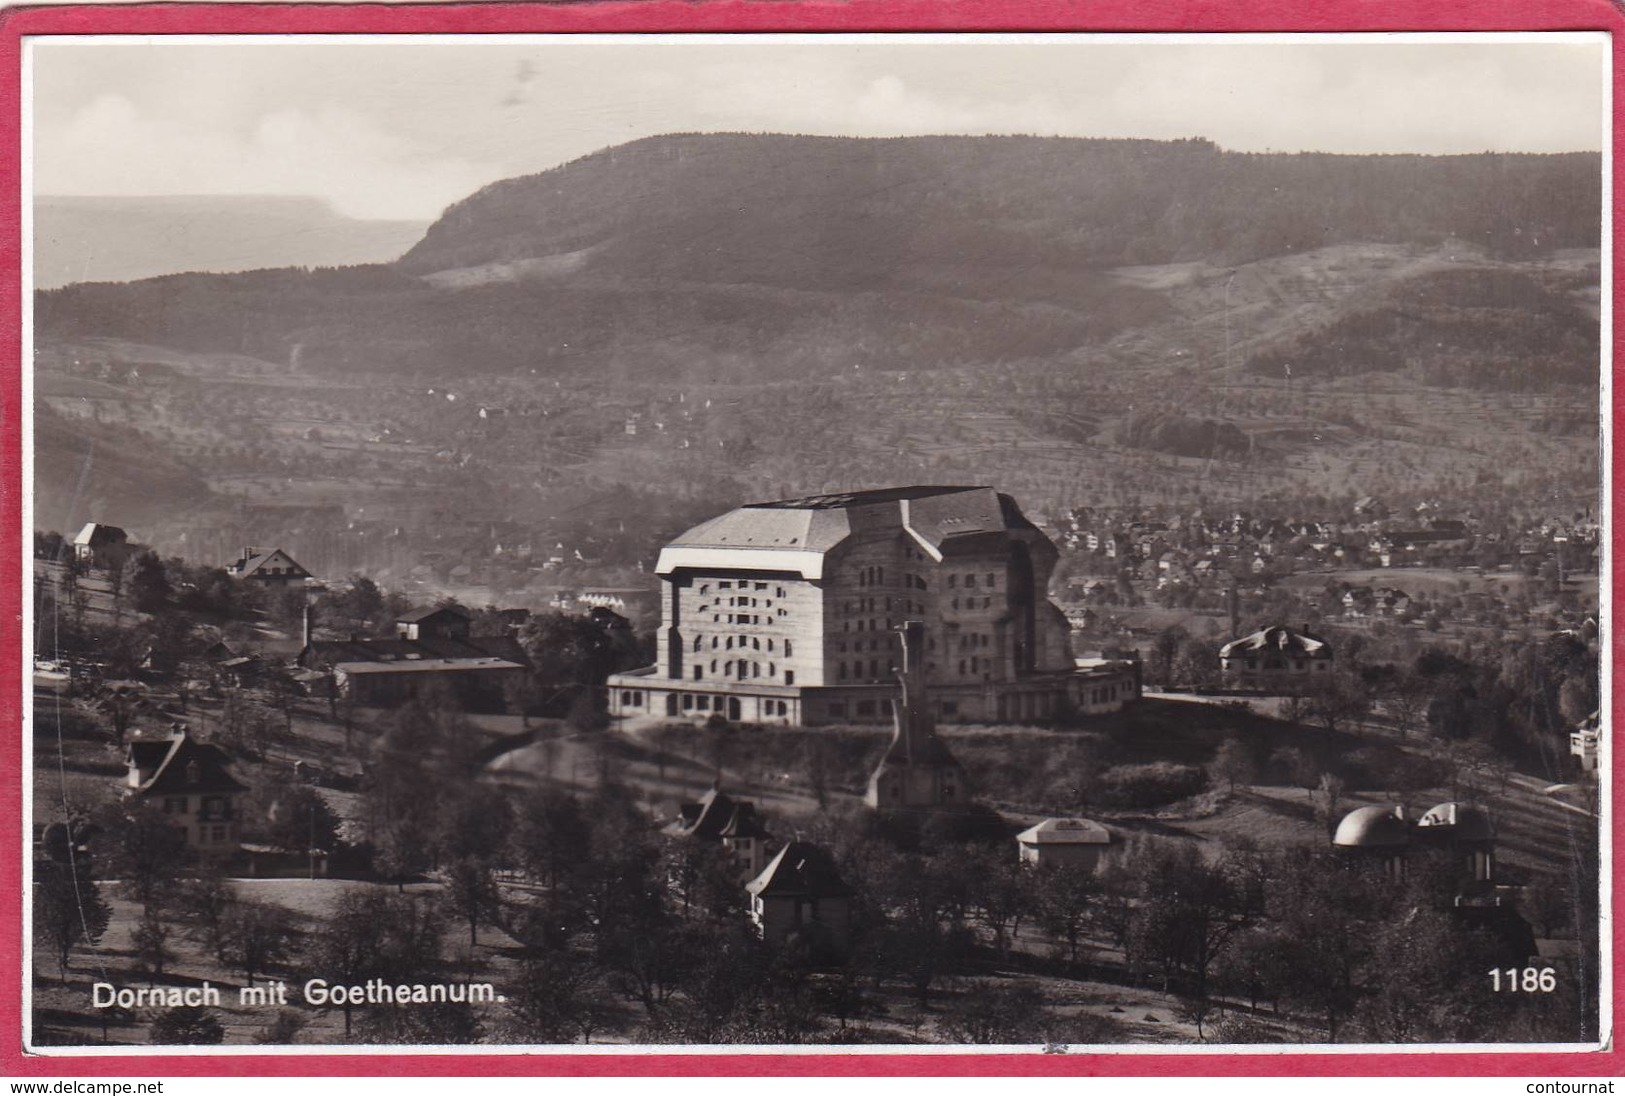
{"x": 786, "y": 612}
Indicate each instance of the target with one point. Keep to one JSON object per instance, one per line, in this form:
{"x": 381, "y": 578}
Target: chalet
{"x": 734, "y": 824}
{"x": 193, "y": 785}
{"x": 105, "y": 547}
{"x": 1275, "y": 656}
{"x": 270, "y": 567}
{"x": 1064, "y": 842}
{"x": 801, "y": 894}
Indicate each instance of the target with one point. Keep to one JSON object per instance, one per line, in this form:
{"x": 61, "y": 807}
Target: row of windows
{"x": 702, "y": 703}
{"x": 743, "y": 670}
{"x": 752, "y": 642}
{"x": 970, "y": 603}
{"x": 970, "y": 581}
{"x": 631, "y": 698}
{"x": 837, "y": 708}
{"x": 748, "y": 618}
{"x": 727, "y": 584}
{"x": 876, "y": 668}
{"x": 874, "y": 645}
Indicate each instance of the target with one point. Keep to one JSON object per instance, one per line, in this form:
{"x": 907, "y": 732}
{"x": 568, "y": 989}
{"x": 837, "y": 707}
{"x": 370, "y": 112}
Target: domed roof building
{"x": 1377, "y": 835}
{"x": 1383, "y": 834}
{"x": 1464, "y": 829}
{"x": 1373, "y": 828}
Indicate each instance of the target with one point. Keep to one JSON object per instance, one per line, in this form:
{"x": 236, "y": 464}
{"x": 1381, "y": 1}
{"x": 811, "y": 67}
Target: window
{"x": 220, "y": 833}
{"x": 703, "y": 703}
{"x": 713, "y": 665}
{"x": 699, "y": 673}
{"x": 837, "y": 707}
{"x": 698, "y": 641}
{"x": 725, "y": 586}
{"x": 760, "y": 586}
{"x": 713, "y": 643}
{"x": 787, "y": 648}
{"x": 730, "y": 643}
{"x": 866, "y": 707}
{"x": 970, "y": 582}
{"x": 626, "y": 698}
{"x": 175, "y": 804}
{"x": 789, "y": 679}
{"x": 953, "y": 580}
{"x": 688, "y": 702}
{"x": 990, "y": 581}
{"x": 770, "y": 644}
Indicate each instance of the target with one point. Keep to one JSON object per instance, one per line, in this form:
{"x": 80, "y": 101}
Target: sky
{"x": 392, "y": 129}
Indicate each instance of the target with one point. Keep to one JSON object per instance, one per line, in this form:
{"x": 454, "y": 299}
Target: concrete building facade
{"x": 787, "y": 612}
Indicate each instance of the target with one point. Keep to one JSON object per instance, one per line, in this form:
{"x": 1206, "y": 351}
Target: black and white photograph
{"x": 816, "y": 542}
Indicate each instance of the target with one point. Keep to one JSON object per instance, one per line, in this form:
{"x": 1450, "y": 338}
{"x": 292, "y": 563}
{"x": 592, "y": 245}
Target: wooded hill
{"x": 736, "y": 257}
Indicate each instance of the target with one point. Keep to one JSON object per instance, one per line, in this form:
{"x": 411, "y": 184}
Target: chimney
{"x": 914, "y": 720}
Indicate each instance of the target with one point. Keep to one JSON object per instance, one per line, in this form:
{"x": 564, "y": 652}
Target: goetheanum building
{"x": 786, "y": 612}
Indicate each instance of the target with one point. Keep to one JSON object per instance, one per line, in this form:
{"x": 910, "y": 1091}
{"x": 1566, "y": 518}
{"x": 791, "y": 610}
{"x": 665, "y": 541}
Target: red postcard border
{"x": 675, "y": 16}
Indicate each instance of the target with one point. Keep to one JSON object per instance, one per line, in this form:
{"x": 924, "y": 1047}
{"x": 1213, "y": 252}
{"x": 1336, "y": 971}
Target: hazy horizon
{"x": 387, "y": 129}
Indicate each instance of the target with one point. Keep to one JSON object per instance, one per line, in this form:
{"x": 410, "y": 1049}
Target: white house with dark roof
{"x": 190, "y": 781}
{"x": 786, "y": 612}
{"x": 1275, "y": 657}
{"x": 103, "y": 546}
{"x": 270, "y": 566}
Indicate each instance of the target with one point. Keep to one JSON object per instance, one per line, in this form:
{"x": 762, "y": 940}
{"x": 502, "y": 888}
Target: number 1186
{"x": 1526, "y": 980}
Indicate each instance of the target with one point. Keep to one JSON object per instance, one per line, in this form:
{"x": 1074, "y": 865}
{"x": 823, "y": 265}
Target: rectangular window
{"x": 703, "y": 703}
{"x": 761, "y": 586}
{"x": 725, "y": 586}
{"x": 866, "y": 707}
{"x": 789, "y": 679}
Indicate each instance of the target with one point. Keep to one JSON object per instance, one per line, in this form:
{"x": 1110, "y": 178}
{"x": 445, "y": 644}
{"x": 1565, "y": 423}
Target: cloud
{"x": 111, "y": 146}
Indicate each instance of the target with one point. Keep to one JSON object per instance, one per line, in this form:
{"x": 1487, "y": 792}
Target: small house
{"x": 1064, "y": 842}
{"x": 801, "y": 894}
{"x": 192, "y": 784}
{"x": 105, "y": 547}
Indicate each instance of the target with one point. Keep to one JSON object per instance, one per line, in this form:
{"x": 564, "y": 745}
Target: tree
{"x": 68, "y": 910}
{"x": 142, "y": 848}
{"x": 1297, "y": 766}
{"x": 993, "y": 1012}
{"x": 255, "y": 937}
{"x": 188, "y": 1025}
{"x": 144, "y": 579}
{"x": 298, "y": 819}
{"x": 150, "y": 939}
{"x": 1066, "y": 894}
{"x": 1233, "y": 762}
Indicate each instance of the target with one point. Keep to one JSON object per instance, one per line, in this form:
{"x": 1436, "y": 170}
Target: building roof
{"x": 1467, "y": 821}
{"x": 795, "y": 534}
{"x": 95, "y": 535}
{"x": 1277, "y": 638}
{"x": 256, "y": 560}
{"x": 717, "y": 816}
{"x": 426, "y": 666}
{"x": 403, "y": 653}
{"x": 1066, "y": 831}
{"x": 182, "y": 766}
{"x": 800, "y": 869}
{"x": 418, "y": 615}
{"x": 1373, "y": 828}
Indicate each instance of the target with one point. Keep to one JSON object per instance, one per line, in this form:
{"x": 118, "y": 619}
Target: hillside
{"x": 125, "y": 239}
{"x": 730, "y": 256}
{"x": 703, "y": 319}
